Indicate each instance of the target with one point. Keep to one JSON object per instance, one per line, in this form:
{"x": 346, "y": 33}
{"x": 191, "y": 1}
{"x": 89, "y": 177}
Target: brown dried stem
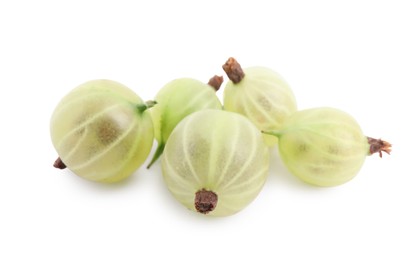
{"x": 216, "y": 82}
{"x": 233, "y": 70}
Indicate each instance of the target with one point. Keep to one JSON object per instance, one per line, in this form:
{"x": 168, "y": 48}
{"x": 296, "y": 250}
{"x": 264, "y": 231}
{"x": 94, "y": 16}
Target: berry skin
{"x": 325, "y": 146}
{"x": 101, "y": 131}
{"x": 178, "y": 99}
{"x": 260, "y": 94}
{"x": 215, "y": 162}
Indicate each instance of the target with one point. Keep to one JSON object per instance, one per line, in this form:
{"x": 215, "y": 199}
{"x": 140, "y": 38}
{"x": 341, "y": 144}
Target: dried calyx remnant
{"x": 215, "y": 82}
{"x": 205, "y": 201}
{"x": 59, "y": 164}
{"x": 233, "y": 70}
{"x": 379, "y": 146}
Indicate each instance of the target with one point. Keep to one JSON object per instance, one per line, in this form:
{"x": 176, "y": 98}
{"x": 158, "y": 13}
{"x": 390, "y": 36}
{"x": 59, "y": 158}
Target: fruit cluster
{"x": 215, "y": 158}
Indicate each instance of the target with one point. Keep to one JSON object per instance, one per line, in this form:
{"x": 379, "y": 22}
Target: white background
{"x": 360, "y": 56}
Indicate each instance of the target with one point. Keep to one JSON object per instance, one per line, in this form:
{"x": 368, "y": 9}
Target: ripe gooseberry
{"x": 260, "y": 94}
{"x": 215, "y": 162}
{"x": 325, "y": 146}
{"x": 176, "y": 100}
{"x": 101, "y": 131}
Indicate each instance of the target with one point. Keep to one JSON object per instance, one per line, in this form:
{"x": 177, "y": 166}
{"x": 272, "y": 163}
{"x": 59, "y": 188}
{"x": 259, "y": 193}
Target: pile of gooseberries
{"x": 214, "y": 156}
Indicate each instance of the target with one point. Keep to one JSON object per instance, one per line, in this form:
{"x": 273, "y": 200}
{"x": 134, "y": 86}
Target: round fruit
{"x": 260, "y": 94}
{"x": 325, "y": 146}
{"x": 215, "y": 162}
{"x": 178, "y": 99}
{"x": 101, "y": 131}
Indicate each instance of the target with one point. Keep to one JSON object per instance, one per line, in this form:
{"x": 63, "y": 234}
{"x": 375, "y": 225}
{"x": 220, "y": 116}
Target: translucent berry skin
{"x": 102, "y": 131}
{"x": 263, "y": 96}
{"x": 322, "y": 146}
{"x": 217, "y": 151}
{"x": 176, "y": 100}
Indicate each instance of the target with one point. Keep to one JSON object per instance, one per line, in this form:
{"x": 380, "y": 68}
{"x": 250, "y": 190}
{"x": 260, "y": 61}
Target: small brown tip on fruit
{"x": 215, "y": 82}
{"x": 233, "y": 70}
{"x": 379, "y": 146}
{"x": 205, "y": 201}
{"x": 59, "y": 164}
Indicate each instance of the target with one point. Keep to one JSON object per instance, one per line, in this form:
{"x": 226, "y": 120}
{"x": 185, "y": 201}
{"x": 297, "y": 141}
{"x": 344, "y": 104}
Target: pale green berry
{"x": 101, "y": 131}
{"x": 178, "y": 99}
{"x": 325, "y": 146}
{"x": 260, "y": 94}
{"x": 215, "y": 162}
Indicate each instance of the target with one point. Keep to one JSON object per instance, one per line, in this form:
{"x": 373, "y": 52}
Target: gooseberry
{"x": 215, "y": 162}
{"x": 101, "y": 131}
{"x": 325, "y": 146}
{"x": 260, "y": 94}
{"x": 176, "y": 100}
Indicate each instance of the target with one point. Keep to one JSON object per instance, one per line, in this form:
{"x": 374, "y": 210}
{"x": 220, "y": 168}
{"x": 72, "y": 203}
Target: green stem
{"x": 277, "y": 134}
{"x": 148, "y": 104}
{"x": 158, "y": 153}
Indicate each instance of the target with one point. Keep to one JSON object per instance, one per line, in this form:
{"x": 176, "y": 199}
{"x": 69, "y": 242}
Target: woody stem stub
{"x": 233, "y": 70}
{"x": 215, "y": 82}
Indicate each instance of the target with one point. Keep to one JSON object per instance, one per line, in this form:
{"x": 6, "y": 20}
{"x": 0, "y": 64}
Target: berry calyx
{"x": 205, "y": 201}
{"x": 59, "y": 164}
{"x": 378, "y": 146}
